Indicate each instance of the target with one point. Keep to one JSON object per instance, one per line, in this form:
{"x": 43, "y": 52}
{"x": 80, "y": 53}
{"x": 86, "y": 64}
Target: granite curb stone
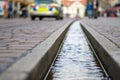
{"x": 106, "y": 50}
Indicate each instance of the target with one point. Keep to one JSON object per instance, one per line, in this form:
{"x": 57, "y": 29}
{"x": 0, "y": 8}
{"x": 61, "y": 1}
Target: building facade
{"x": 113, "y": 2}
{"x": 74, "y": 8}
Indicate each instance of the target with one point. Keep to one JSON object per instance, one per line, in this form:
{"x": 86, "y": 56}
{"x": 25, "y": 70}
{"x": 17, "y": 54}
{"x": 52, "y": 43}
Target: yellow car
{"x": 45, "y": 8}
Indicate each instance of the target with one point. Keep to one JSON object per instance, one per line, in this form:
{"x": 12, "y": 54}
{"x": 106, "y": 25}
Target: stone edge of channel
{"x": 35, "y": 65}
{"x": 107, "y": 51}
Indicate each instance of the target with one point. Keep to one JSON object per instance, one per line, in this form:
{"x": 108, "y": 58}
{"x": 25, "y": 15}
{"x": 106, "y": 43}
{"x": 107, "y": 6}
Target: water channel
{"x": 76, "y": 61}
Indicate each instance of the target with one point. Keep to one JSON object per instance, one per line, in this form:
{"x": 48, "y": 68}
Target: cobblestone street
{"x": 108, "y": 27}
{"x": 19, "y": 36}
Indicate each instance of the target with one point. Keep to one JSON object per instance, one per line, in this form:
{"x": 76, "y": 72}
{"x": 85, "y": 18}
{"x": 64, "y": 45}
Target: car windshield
{"x": 43, "y": 1}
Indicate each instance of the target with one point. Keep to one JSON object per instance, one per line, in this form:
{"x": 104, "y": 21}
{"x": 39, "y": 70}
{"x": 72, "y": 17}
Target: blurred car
{"x": 45, "y": 8}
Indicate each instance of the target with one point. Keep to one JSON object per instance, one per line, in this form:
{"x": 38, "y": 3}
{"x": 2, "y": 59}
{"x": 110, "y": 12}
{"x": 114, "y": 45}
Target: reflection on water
{"x": 76, "y": 60}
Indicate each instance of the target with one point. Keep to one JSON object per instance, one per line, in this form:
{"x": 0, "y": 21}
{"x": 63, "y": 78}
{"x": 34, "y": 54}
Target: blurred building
{"x": 113, "y": 2}
{"x": 105, "y": 4}
{"x": 74, "y": 8}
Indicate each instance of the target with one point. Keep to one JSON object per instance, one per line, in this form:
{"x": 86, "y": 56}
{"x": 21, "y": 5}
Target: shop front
{"x": 12, "y": 7}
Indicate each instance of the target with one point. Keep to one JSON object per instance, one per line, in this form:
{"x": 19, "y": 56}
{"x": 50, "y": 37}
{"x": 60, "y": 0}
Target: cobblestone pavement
{"x": 19, "y": 36}
{"x": 108, "y": 27}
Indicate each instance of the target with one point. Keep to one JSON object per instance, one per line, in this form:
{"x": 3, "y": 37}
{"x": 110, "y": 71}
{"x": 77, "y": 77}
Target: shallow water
{"x": 76, "y": 60}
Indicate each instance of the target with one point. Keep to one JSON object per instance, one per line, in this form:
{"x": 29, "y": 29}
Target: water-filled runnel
{"x": 76, "y": 61}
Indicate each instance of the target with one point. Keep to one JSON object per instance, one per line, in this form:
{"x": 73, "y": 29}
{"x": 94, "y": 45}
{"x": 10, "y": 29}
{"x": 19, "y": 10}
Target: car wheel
{"x": 61, "y": 18}
{"x": 40, "y": 18}
{"x": 32, "y": 17}
{"x": 57, "y": 18}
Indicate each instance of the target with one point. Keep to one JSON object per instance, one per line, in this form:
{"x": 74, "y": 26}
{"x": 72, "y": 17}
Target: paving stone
{"x": 19, "y": 36}
{"x": 109, "y": 27}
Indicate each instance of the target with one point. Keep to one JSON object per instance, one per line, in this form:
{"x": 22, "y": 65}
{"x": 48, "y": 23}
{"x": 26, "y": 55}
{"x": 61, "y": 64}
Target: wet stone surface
{"x": 75, "y": 60}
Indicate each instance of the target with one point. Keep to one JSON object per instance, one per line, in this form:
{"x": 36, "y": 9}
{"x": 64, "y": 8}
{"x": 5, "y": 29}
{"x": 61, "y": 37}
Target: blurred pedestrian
{"x": 15, "y": 13}
{"x": 95, "y": 8}
{"x": 24, "y": 12}
{"x": 5, "y": 9}
{"x": 90, "y": 9}
{"x": 118, "y": 12}
{"x": 10, "y": 10}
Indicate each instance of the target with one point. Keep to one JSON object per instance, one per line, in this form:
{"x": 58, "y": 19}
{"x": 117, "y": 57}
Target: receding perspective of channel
{"x": 76, "y": 61}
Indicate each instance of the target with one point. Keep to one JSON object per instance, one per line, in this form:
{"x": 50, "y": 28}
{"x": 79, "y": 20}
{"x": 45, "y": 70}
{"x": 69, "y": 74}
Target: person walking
{"x": 90, "y": 9}
{"x": 24, "y": 12}
{"x": 15, "y": 13}
{"x": 95, "y": 8}
{"x": 10, "y": 10}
